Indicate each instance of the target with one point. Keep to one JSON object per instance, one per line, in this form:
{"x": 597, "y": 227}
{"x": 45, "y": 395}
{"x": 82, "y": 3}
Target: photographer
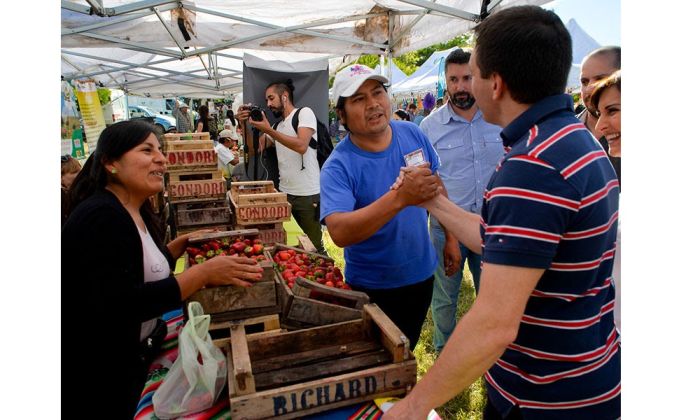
{"x": 298, "y": 168}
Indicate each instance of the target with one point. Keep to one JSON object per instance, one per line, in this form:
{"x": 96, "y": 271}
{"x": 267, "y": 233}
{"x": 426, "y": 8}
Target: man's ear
{"x": 341, "y": 116}
{"x": 498, "y": 86}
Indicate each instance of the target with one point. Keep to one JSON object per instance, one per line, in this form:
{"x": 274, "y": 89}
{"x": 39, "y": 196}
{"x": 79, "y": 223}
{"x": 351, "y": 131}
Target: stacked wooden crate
{"x": 258, "y": 205}
{"x": 195, "y": 186}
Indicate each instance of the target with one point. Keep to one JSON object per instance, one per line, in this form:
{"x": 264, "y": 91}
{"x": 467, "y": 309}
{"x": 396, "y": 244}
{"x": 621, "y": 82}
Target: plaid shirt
{"x": 182, "y": 121}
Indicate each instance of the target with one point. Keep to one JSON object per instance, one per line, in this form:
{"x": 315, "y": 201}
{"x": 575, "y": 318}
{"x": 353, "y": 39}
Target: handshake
{"x": 416, "y": 185}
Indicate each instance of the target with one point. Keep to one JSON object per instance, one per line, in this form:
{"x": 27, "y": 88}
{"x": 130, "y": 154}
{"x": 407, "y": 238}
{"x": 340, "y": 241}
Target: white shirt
{"x": 155, "y": 267}
{"x": 293, "y": 180}
{"x": 223, "y": 154}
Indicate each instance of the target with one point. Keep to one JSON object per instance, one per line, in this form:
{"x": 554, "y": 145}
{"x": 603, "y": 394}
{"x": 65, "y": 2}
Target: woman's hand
{"x": 223, "y": 270}
{"x": 227, "y": 270}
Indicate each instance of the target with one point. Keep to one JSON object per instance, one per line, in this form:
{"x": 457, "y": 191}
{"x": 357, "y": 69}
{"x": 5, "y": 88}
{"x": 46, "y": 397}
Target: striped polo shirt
{"x": 553, "y": 204}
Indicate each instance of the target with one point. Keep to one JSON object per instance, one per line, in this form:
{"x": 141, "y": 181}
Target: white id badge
{"x": 414, "y": 158}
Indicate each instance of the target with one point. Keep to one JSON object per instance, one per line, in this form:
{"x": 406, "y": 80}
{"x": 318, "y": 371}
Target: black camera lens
{"x": 256, "y": 114}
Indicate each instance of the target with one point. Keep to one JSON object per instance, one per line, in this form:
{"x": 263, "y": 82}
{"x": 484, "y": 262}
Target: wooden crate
{"x": 227, "y": 303}
{"x": 263, "y": 208}
{"x": 251, "y": 187}
{"x": 188, "y": 229}
{"x": 270, "y": 233}
{"x": 293, "y": 374}
{"x": 303, "y": 307}
{"x": 170, "y": 137}
{"x": 202, "y": 213}
{"x": 188, "y": 185}
{"x": 196, "y": 159}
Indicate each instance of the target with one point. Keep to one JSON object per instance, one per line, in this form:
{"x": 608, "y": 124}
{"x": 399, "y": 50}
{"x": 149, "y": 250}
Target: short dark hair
{"x": 412, "y": 106}
{"x": 612, "y": 52}
{"x": 402, "y": 114}
{"x": 458, "y": 56}
{"x": 529, "y": 47}
{"x": 281, "y": 87}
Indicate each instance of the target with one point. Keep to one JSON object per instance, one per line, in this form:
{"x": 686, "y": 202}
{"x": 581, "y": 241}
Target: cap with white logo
{"x": 349, "y": 79}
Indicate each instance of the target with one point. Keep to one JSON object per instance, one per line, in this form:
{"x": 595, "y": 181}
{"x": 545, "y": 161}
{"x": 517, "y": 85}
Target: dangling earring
{"x": 114, "y": 170}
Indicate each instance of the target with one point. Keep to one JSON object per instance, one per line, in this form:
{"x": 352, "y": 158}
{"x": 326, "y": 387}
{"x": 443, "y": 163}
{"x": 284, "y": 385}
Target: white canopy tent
{"x": 397, "y": 75}
{"x": 195, "y": 48}
{"x": 425, "y": 78}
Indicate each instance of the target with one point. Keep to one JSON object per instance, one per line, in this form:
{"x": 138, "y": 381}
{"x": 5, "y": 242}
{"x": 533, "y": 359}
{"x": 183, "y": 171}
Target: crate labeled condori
{"x": 196, "y": 159}
{"x": 259, "y": 208}
{"x": 270, "y": 233}
{"x": 312, "y": 291}
{"x": 187, "y": 185}
{"x": 293, "y": 374}
{"x": 234, "y": 302}
{"x": 171, "y": 138}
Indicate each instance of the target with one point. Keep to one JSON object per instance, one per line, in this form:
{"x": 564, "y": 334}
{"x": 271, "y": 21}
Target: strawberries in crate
{"x": 291, "y": 265}
{"x": 198, "y": 253}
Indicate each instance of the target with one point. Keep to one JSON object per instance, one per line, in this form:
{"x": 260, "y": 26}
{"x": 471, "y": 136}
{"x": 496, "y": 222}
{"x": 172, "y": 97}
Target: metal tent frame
{"x": 138, "y": 46}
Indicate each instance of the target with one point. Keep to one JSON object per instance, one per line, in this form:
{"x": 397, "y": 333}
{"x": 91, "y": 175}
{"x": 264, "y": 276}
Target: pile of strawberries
{"x": 291, "y": 264}
{"x": 240, "y": 247}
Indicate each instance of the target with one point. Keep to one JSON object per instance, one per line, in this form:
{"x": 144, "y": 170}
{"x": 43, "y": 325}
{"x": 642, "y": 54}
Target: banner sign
{"x": 71, "y": 132}
{"x": 90, "y": 109}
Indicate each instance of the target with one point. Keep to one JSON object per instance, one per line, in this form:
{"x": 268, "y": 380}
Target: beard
{"x": 462, "y": 100}
{"x": 276, "y": 112}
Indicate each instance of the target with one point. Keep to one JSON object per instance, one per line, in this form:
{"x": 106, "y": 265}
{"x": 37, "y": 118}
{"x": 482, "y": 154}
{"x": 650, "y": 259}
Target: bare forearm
{"x": 460, "y": 223}
{"x": 356, "y": 226}
{"x": 473, "y": 348}
{"x": 294, "y": 143}
{"x": 177, "y": 246}
{"x": 190, "y": 281}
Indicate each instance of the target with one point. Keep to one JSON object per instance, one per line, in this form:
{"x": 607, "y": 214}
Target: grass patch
{"x": 470, "y": 403}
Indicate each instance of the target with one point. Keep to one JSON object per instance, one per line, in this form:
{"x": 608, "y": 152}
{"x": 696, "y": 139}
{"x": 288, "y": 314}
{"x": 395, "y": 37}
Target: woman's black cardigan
{"x": 104, "y": 300}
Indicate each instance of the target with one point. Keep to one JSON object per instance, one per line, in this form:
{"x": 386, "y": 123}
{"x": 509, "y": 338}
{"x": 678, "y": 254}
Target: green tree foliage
{"x": 105, "y": 95}
{"x": 410, "y": 61}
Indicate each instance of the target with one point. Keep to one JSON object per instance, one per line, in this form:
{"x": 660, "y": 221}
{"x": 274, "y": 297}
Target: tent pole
{"x": 139, "y": 47}
{"x": 113, "y": 21}
{"x": 167, "y": 28}
{"x": 390, "y": 51}
{"x": 444, "y": 9}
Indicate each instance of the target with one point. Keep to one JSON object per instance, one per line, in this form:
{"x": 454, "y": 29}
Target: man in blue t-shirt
{"x": 388, "y": 253}
{"x": 541, "y": 329}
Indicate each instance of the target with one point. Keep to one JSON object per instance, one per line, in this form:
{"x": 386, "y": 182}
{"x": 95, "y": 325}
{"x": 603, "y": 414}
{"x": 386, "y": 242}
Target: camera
{"x": 256, "y": 112}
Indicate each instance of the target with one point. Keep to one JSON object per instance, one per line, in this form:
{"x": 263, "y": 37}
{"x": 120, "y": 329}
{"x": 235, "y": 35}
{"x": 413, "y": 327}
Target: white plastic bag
{"x": 198, "y": 375}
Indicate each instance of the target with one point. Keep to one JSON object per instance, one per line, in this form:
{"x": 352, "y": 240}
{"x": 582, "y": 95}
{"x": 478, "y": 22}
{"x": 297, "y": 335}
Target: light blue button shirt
{"x": 468, "y": 151}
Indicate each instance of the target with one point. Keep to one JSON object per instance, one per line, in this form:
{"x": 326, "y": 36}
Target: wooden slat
{"x": 263, "y": 198}
{"x": 291, "y": 375}
{"x": 305, "y": 340}
{"x": 355, "y": 299}
{"x": 307, "y": 398}
{"x": 314, "y": 356}
{"x": 391, "y": 336}
{"x": 230, "y": 298}
{"x": 306, "y": 244}
{"x": 245, "y": 233}
{"x": 243, "y": 383}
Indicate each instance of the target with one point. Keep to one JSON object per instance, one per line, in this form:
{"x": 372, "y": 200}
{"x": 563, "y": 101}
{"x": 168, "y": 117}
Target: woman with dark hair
{"x": 203, "y": 122}
{"x": 230, "y": 117}
{"x": 122, "y": 281}
{"x": 400, "y": 114}
{"x": 607, "y": 102}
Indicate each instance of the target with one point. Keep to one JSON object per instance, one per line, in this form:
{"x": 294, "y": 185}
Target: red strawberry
{"x": 329, "y": 284}
{"x": 205, "y": 247}
{"x": 238, "y": 247}
{"x": 258, "y": 249}
{"x": 248, "y": 251}
{"x": 213, "y": 245}
{"x": 284, "y": 255}
{"x": 257, "y": 241}
{"x": 291, "y": 252}
{"x": 247, "y": 242}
